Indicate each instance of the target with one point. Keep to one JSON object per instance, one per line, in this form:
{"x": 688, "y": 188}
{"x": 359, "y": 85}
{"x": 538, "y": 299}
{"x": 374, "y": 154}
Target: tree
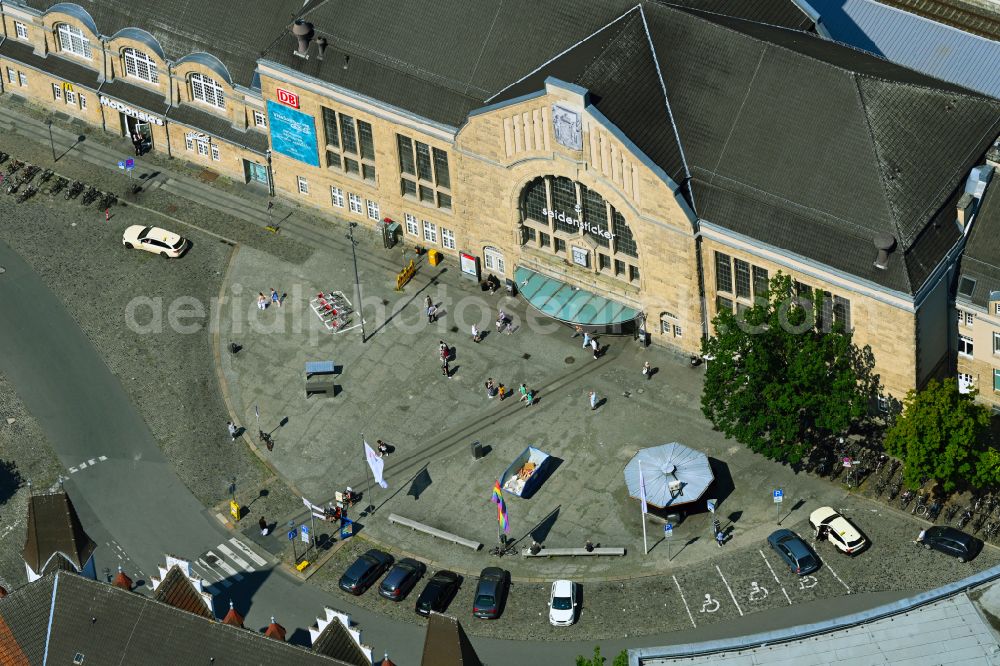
{"x": 10, "y": 480}
{"x": 941, "y": 435}
{"x": 598, "y": 660}
{"x": 782, "y": 375}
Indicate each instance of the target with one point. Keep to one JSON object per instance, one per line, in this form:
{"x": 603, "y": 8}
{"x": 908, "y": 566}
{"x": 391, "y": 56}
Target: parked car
{"x": 794, "y": 551}
{"x": 837, "y": 530}
{"x": 401, "y": 579}
{"x": 950, "y": 541}
{"x": 562, "y": 603}
{"x": 491, "y": 593}
{"x": 153, "y": 239}
{"x": 365, "y": 571}
{"x": 438, "y": 592}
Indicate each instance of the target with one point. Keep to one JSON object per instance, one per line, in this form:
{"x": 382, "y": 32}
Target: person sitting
{"x": 492, "y": 283}
{"x": 383, "y": 448}
{"x": 350, "y": 497}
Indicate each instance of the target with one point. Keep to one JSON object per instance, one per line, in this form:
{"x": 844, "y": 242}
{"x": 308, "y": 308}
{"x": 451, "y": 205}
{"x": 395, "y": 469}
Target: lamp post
{"x": 270, "y": 174}
{"x": 357, "y": 280}
{"x": 52, "y": 142}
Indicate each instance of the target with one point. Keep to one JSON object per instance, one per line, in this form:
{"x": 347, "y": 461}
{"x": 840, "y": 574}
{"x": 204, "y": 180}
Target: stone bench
{"x": 317, "y": 385}
{"x": 435, "y": 532}
{"x": 572, "y": 552}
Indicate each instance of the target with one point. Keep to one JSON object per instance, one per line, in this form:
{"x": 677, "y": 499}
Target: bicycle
{"x": 949, "y": 515}
{"x": 506, "y": 549}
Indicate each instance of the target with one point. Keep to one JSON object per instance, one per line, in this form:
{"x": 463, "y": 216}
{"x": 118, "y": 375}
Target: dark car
{"x": 950, "y": 541}
{"x": 794, "y": 551}
{"x": 491, "y": 592}
{"x": 401, "y": 579}
{"x": 365, "y": 571}
{"x": 438, "y": 593}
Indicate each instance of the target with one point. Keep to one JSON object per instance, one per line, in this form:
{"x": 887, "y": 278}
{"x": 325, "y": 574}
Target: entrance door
{"x": 255, "y": 173}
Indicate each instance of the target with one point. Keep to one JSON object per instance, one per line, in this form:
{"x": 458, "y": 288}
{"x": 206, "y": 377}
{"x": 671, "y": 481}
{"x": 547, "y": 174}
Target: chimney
{"x": 303, "y": 32}
{"x": 966, "y": 206}
{"x": 321, "y": 45}
{"x": 884, "y": 243}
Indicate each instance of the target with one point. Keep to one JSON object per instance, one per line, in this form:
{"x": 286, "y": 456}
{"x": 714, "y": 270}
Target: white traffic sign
{"x": 779, "y": 495}
{"x": 668, "y": 530}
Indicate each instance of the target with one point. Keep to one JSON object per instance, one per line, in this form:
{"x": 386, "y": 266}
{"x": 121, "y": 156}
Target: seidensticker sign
{"x": 584, "y": 225}
{"x": 129, "y": 111}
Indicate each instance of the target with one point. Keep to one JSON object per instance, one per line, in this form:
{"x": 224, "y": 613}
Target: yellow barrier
{"x": 302, "y": 565}
{"x": 404, "y": 275}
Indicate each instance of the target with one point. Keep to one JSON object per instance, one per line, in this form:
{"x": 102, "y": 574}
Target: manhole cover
{"x": 525, "y": 356}
{"x": 569, "y": 360}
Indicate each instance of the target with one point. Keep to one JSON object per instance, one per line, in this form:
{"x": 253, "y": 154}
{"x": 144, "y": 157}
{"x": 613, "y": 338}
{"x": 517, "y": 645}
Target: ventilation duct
{"x": 321, "y": 45}
{"x": 966, "y": 207}
{"x": 303, "y": 32}
{"x": 884, "y": 243}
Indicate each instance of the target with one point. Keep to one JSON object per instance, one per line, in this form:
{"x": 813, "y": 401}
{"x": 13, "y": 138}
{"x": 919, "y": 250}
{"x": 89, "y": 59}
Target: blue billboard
{"x": 293, "y": 133}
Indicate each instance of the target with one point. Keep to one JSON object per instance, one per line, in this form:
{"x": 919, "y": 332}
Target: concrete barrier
{"x": 433, "y": 531}
{"x": 573, "y": 552}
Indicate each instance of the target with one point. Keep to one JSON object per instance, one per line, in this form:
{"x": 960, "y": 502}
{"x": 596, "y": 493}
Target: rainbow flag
{"x": 497, "y": 499}
{"x": 497, "y": 493}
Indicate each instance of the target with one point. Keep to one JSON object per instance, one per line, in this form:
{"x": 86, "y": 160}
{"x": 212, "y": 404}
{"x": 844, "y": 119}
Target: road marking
{"x": 811, "y": 580}
{"x": 92, "y": 461}
{"x": 206, "y": 568}
{"x": 690, "y": 617}
{"x": 757, "y": 593}
{"x": 243, "y": 564}
{"x": 837, "y": 577}
{"x": 102, "y": 458}
{"x": 710, "y": 605}
{"x": 248, "y": 552}
{"x": 775, "y": 577}
{"x": 82, "y": 465}
{"x": 730, "y": 590}
{"x": 222, "y": 564}
{"x": 72, "y": 470}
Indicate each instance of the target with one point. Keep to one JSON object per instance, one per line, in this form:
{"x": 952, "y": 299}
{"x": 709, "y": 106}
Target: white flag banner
{"x": 376, "y": 465}
{"x": 642, "y": 491}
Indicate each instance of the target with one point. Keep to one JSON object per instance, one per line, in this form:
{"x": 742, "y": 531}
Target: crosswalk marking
{"x": 246, "y": 550}
{"x": 102, "y": 458}
{"x": 210, "y": 575}
{"x": 222, "y": 564}
{"x": 243, "y": 564}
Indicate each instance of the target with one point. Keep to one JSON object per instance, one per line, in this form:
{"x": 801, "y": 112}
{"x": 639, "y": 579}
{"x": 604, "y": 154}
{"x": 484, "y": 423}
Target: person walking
{"x": 431, "y": 314}
{"x": 531, "y": 399}
{"x": 275, "y": 298}
{"x": 509, "y": 328}
{"x": 720, "y": 538}
{"x": 577, "y": 331}
{"x": 524, "y": 392}
{"x": 443, "y": 348}
{"x": 476, "y": 335}
{"x": 647, "y": 371}
{"x": 586, "y": 340}
{"x": 261, "y": 301}
{"x": 593, "y": 400}
{"x": 428, "y": 302}
{"x": 502, "y": 392}
{"x": 262, "y": 523}
{"x": 445, "y": 370}
{"x": 382, "y": 448}
{"x": 232, "y": 429}
{"x": 501, "y": 320}
{"x": 136, "y": 143}
{"x": 490, "y": 388}
{"x": 596, "y": 347}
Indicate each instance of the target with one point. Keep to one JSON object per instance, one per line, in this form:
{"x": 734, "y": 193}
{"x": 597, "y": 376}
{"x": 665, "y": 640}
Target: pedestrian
{"x": 509, "y": 328}
{"x": 524, "y": 392}
{"x": 444, "y": 348}
{"x": 476, "y": 336}
{"x": 428, "y": 302}
{"x": 647, "y": 371}
{"x": 136, "y": 143}
{"x": 501, "y": 320}
{"x": 596, "y": 347}
{"x": 431, "y": 314}
{"x": 261, "y": 301}
{"x": 593, "y": 400}
{"x": 586, "y": 340}
{"x": 263, "y": 526}
{"x": 107, "y": 214}
{"x": 920, "y": 537}
{"x": 382, "y": 447}
{"x": 502, "y": 392}
{"x": 445, "y": 353}
{"x": 720, "y": 538}
{"x": 577, "y": 331}
{"x": 444, "y": 368}
{"x": 275, "y": 298}
{"x": 232, "y": 429}
{"x": 589, "y": 546}
{"x": 531, "y": 399}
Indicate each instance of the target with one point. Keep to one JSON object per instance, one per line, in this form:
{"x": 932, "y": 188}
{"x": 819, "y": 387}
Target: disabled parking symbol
{"x": 710, "y": 605}
{"x": 757, "y": 593}
{"x": 807, "y": 582}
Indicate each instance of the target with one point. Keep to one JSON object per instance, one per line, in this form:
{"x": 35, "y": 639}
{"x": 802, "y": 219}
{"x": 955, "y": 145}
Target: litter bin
{"x": 511, "y": 288}
{"x": 434, "y": 257}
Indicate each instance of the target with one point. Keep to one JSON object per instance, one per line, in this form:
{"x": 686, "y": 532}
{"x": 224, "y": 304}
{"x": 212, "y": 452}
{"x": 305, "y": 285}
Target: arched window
{"x": 71, "y": 40}
{"x": 207, "y": 90}
{"x": 140, "y": 66}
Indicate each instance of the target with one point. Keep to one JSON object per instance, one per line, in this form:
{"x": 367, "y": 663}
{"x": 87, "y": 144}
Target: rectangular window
{"x": 330, "y": 127}
{"x": 678, "y": 331}
{"x": 83, "y": 101}
{"x": 368, "y": 172}
{"x": 348, "y": 137}
{"x": 544, "y": 240}
{"x": 373, "y": 210}
{"x": 996, "y": 380}
{"x": 996, "y": 343}
{"x": 333, "y": 160}
{"x": 441, "y": 176}
{"x": 303, "y": 185}
{"x": 633, "y": 273}
{"x": 409, "y": 188}
{"x": 760, "y": 283}
{"x": 337, "y": 197}
{"x": 996, "y": 309}
{"x": 259, "y": 119}
{"x": 427, "y": 194}
{"x": 22, "y": 78}
{"x": 21, "y": 30}
{"x": 619, "y": 267}
{"x": 803, "y": 291}
{"x": 367, "y": 142}
{"x": 430, "y": 232}
{"x": 351, "y": 166}
{"x": 424, "y": 162}
{"x": 188, "y": 142}
{"x": 970, "y": 319}
{"x": 448, "y": 238}
{"x": 56, "y": 92}
{"x": 965, "y": 345}
{"x": 723, "y": 273}
{"x": 742, "y": 278}
{"x": 355, "y": 203}
{"x": 11, "y": 75}
{"x": 444, "y": 201}
{"x": 723, "y": 303}
{"x": 530, "y": 235}
{"x": 202, "y": 147}
{"x": 603, "y": 261}
{"x": 405, "y": 147}
{"x": 560, "y": 245}
{"x": 215, "y": 152}
{"x": 965, "y": 382}
{"x": 412, "y": 227}
{"x": 842, "y": 312}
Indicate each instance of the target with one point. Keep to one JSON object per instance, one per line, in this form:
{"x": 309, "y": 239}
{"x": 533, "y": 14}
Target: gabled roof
{"x": 177, "y": 590}
{"x": 980, "y": 268}
{"x": 54, "y": 529}
{"x": 447, "y": 644}
{"x": 336, "y": 641}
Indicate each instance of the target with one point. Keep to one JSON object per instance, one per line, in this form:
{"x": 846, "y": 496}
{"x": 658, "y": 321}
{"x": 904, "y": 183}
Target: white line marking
{"x": 240, "y": 562}
{"x": 248, "y": 552}
{"x": 92, "y": 461}
{"x": 690, "y": 617}
{"x": 212, "y": 575}
{"x": 730, "y": 590}
{"x": 72, "y": 470}
{"x": 222, "y": 564}
{"x": 82, "y": 465}
{"x": 775, "y": 577}
{"x": 103, "y": 458}
{"x": 837, "y": 577}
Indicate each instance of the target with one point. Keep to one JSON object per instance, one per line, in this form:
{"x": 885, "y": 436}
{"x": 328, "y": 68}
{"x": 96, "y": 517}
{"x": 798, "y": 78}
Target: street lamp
{"x": 52, "y": 142}
{"x": 357, "y": 280}
{"x": 270, "y": 174}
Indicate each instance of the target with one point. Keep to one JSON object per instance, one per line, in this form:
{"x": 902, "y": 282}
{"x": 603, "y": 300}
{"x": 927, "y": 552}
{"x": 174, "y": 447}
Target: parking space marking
{"x": 686, "y": 607}
{"x": 710, "y": 605}
{"x": 769, "y": 568}
{"x": 757, "y": 593}
{"x": 730, "y": 590}
{"x": 839, "y": 580}
{"x": 808, "y": 582}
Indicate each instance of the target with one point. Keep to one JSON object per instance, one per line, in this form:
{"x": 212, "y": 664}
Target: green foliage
{"x": 941, "y": 435}
{"x": 776, "y": 383}
{"x": 598, "y": 660}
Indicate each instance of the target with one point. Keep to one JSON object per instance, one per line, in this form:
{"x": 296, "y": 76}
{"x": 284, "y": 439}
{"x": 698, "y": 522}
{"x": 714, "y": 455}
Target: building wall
{"x": 980, "y": 366}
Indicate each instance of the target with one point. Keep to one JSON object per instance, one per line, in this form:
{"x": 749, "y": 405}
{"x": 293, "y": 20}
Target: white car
{"x": 838, "y": 530}
{"x": 153, "y": 239}
{"x": 562, "y": 603}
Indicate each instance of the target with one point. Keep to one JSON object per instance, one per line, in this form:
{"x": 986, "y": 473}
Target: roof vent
{"x": 321, "y": 45}
{"x": 884, "y": 243}
{"x": 303, "y": 32}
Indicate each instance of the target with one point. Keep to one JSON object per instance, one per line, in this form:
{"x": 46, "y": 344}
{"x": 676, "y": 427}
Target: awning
{"x": 568, "y": 303}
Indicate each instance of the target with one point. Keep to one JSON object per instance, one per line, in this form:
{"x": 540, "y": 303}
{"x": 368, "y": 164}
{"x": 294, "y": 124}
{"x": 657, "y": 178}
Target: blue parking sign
{"x": 121, "y": 164}
{"x": 668, "y": 530}
{"x": 778, "y": 495}
{"x": 291, "y": 535}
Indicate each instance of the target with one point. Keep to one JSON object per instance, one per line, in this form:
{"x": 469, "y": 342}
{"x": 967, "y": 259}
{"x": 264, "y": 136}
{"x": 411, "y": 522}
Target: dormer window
{"x": 206, "y": 90}
{"x": 140, "y": 66}
{"x": 71, "y": 40}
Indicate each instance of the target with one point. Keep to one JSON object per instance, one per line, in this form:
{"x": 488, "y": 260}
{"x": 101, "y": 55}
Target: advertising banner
{"x": 293, "y": 133}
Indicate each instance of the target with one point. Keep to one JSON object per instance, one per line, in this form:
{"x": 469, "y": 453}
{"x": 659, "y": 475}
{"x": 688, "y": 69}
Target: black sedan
{"x": 365, "y": 571}
{"x": 950, "y": 541}
{"x": 438, "y": 593}
{"x": 401, "y": 579}
{"x": 491, "y": 593}
{"x": 794, "y": 551}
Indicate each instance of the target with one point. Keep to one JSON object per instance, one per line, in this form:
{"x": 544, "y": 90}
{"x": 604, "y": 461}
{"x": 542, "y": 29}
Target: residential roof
{"x": 447, "y": 644}
{"x": 976, "y": 17}
{"x": 62, "y": 68}
{"x": 55, "y": 529}
{"x": 336, "y": 641}
{"x": 177, "y": 590}
{"x": 108, "y": 625}
{"x": 219, "y": 127}
{"x": 981, "y": 258}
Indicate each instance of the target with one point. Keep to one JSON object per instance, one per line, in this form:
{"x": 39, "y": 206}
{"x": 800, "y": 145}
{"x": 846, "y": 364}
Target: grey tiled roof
{"x": 59, "y": 67}
{"x": 137, "y": 96}
{"x": 54, "y": 528}
{"x": 981, "y": 259}
{"x": 218, "y": 126}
